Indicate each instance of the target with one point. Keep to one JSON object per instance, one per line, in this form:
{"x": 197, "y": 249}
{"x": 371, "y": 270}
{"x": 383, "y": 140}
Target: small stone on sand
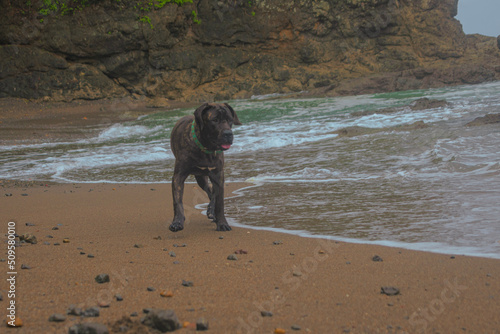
{"x": 389, "y": 290}
{"x": 166, "y": 293}
{"x": 28, "y": 238}
{"x": 87, "y": 328}
{"x": 266, "y": 313}
{"x": 73, "y": 310}
{"x": 202, "y": 324}
{"x": 162, "y": 320}
{"x": 57, "y": 317}
{"x": 91, "y": 312}
{"x": 102, "y": 278}
{"x": 187, "y": 283}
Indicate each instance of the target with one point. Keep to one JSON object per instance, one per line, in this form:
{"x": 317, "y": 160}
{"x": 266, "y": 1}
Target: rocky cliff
{"x": 224, "y": 49}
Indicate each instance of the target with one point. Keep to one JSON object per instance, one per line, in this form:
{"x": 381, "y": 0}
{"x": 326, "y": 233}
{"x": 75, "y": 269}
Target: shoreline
{"x": 319, "y": 285}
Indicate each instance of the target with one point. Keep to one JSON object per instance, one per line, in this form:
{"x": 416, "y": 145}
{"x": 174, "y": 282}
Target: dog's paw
{"x": 223, "y": 227}
{"x": 211, "y": 212}
{"x": 176, "y": 227}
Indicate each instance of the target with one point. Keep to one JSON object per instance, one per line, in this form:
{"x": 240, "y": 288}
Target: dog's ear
{"x": 198, "y": 114}
{"x": 236, "y": 121}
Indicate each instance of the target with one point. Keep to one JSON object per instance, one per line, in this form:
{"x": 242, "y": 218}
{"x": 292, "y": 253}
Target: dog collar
{"x": 200, "y": 146}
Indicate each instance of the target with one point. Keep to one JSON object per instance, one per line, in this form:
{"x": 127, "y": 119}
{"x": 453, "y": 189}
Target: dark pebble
{"x": 30, "y": 224}
{"x": 82, "y": 253}
{"x": 277, "y": 242}
{"x": 8, "y": 195}
{"x": 266, "y": 314}
{"x": 348, "y": 262}
{"x": 23, "y": 266}
{"x": 150, "y": 288}
{"x": 172, "y": 254}
{"x": 88, "y": 328}
{"x": 202, "y": 324}
{"x": 377, "y": 258}
{"x": 134, "y": 314}
{"x": 146, "y": 310}
{"x": 296, "y": 327}
{"x": 24, "y": 194}
{"x": 221, "y": 237}
{"x": 232, "y": 257}
{"x": 176, "y": 262}
{"x": 49, "y": 236}
{"x": 102, "y": 278}
{"x": 73, "y": 310}
{"x": 452, "y": 257}
{"x": 91, "y": 256}
{"x": 28, "y": 237}
{"x": 138, "y": 246}
{"x": 56, "y": 244}
{"x": 1, "y": 297}
{"x": 165, "y": 250}
{"x": 46, "y": 243}
{"x": 389, "y": 290}
{"x": 187, "y": 283}
{"x": 55, "y": 228}
{"x": 118, "y": 297}
{"x": 162, "y": 320}
{"x": 57, "y": 317}
{"x": 91, "y": 312}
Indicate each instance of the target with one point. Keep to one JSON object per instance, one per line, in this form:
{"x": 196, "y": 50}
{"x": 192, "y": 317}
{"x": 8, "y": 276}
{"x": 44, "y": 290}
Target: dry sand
{"x": 318, "y": 285}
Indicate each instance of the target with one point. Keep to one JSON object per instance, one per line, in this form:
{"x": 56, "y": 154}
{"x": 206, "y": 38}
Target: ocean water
{"x": 433, "y": 188}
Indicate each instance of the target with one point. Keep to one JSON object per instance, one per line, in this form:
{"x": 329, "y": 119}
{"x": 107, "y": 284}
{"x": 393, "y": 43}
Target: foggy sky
{"x": 480, "y": 16}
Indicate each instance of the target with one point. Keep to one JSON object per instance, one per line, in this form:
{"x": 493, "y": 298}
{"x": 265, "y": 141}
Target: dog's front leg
{"x": 177, "y": 194}
{"x": 217, "y": 180}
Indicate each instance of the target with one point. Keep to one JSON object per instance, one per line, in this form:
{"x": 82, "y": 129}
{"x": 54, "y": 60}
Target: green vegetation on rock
{"x": 65, "y": 7}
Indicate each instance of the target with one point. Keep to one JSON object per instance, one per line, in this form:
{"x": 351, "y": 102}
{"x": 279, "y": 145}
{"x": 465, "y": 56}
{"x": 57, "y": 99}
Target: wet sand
{"x": 23, "y": 121}
{"x": 317, "y": 285}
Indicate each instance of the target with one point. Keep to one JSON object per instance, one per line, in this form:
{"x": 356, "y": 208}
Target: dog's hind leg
{"x": 203, "y": 183}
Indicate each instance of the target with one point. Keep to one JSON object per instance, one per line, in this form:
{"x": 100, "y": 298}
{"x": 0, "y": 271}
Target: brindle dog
{"x": 198, "y": 143}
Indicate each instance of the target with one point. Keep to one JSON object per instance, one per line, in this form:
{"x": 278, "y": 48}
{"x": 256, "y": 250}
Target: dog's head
{"x": 215, "y": 122}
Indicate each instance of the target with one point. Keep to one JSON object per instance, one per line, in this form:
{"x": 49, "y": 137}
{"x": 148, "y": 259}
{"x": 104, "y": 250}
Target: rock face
{"x": 240, "y": 48}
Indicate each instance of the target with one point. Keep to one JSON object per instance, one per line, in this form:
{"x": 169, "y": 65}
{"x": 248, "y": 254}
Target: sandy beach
{"x": 243, "y": 281}
{"x": 318, "y": 285}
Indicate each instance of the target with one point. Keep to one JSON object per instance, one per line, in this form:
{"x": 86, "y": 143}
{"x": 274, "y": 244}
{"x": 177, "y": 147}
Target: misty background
{"x": 480, "y": 16}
